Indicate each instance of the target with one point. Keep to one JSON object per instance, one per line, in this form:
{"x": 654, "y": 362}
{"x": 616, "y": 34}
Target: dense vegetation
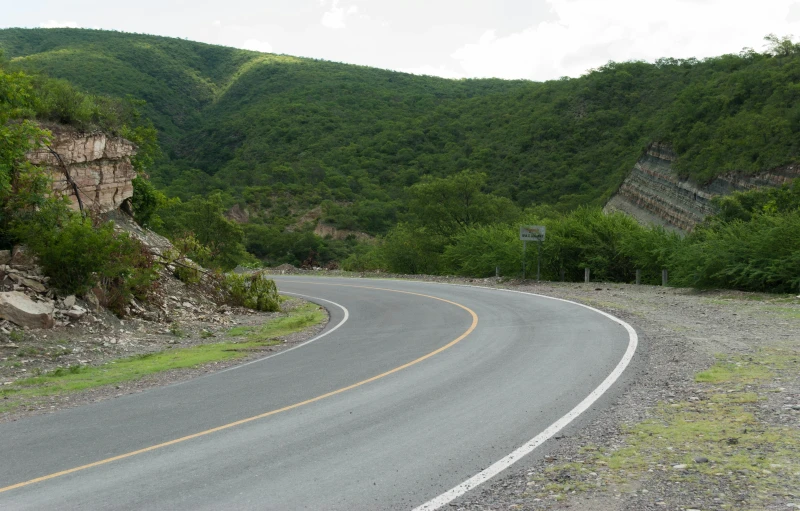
{"x": 74, "y": 251}
{"x": 753, "y": 243}
{"x": 442, "y": 171}
{"x": 280, "y": 134}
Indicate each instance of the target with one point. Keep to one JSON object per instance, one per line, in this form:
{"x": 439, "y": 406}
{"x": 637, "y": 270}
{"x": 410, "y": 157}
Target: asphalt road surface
{"x": 419, "y": 387}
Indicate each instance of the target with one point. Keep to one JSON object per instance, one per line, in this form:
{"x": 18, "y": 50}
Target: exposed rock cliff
{"x": 653, "y": 194}
{"x": 97, "y": 165}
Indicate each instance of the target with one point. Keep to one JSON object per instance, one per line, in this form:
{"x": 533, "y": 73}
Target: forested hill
{"x": 284, "y": 134}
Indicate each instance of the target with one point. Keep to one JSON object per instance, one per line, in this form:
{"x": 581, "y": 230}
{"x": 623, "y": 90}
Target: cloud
{"x": 58, "y": 24}
{"x": 216, "y": 23}
{"x": 587, "y": 34}
{"x": 794, "y": 13}
{"x": 335, "y": 18}
{"x": 256, "y": 45}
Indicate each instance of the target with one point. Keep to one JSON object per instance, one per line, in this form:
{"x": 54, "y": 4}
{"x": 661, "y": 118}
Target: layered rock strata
{"x": 97, "y": 165}
{"x": 654, "y": 194}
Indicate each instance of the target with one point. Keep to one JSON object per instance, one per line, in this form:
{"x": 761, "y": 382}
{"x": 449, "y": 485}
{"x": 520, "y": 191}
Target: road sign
{"x": 531, "y": 232}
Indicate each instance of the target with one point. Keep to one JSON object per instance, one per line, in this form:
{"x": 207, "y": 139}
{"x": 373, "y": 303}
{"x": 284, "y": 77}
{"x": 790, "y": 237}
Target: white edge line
{"x": 502, "y": 464}
{"x": 320, "y": 336}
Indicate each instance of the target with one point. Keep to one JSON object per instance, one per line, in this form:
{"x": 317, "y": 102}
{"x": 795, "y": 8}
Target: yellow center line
{"x": 273, "y": 412}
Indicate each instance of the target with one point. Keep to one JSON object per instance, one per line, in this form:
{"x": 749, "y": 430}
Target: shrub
{"x": 762, "y": 254}
{"x": 186, "y": 270}
{"x": 78, "y": 257}
{"x": 145, "y": 201}
{"x": 254, "y": 291}
{"x": 204, "y": 219}
{"x": 408, "y": 249}
{"x": 365, "y": 258}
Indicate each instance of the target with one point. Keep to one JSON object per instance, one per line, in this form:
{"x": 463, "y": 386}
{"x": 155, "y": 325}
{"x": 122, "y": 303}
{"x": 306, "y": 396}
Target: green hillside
{"x": 284, "y": 134}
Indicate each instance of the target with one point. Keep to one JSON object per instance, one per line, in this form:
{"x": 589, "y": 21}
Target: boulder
{"x": 22, "y": 311}
{"x": 76, "y": 312}
{"x": 5, "y": 256}
{"x": 21, "y": 259}
{"x": 92, "y": 299}
{"x": 29, "y": 283}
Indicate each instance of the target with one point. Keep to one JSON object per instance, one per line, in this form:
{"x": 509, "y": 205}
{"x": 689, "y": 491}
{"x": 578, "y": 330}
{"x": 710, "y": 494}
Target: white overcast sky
{"x": 531, "y": 39}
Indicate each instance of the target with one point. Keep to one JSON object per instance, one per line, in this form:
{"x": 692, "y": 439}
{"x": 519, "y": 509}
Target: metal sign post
{"x": 539, "y": 262}
{"x": 532, "y": 233}
{"x": 524, "y": 251}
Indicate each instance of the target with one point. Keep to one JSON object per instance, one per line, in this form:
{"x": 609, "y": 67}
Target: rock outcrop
{"x": 654, "y": 194}
{"x": 97, "y": 165}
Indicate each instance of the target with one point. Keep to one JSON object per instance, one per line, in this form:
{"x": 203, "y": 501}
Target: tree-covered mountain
{"x": 282, "y": 134}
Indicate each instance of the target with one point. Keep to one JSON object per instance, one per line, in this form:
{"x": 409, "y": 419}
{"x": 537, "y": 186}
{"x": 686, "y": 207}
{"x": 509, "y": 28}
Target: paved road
{"x": 391, "y": 443}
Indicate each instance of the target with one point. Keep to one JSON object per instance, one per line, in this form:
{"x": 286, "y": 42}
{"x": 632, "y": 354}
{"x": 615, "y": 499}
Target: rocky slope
{"x": 654, "y": 194}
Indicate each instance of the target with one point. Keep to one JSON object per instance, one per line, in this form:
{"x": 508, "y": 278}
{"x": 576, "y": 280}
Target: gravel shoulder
{"x": 676, "y": 437}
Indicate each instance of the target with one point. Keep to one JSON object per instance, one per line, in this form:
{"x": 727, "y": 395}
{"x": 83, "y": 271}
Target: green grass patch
{"x": 734, "y": 372}
{"x": 302, "y": 317}
{"x": 748, "y": 369}
{"x": 77, "y": 378}
{"x": 8, "y": 406}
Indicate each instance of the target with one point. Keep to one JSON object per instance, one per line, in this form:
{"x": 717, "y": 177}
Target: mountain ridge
{"x": 279, "y": 134}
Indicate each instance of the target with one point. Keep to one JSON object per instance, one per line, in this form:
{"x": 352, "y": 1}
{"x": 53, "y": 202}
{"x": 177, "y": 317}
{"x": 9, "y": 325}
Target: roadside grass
{"x": 301, "y": 318}
{"x": 731, "y": 370}
{"x": 76, "y": 378}
{"x": 715, "y": 440}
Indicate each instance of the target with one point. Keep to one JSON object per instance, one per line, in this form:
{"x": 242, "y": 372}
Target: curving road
{"x": 412, "y": 389}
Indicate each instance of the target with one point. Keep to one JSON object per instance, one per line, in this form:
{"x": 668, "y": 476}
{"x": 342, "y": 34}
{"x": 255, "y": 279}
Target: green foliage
{"x": 145, "y": 201}
{"x": 482, "y": 250}
{"x": 438, "y": 167}
{"x": 75, "y": 255}
{"x": 651, "y": 250}
{"x": 365, "y": 257}
{"x": 203, "y": 219}
{"x": 142, "y": 133}
{"x": 409, "y": 249}
{"x": 762, "y": 254}
{"x": 186, "y": 270}
{"x": 584, "y": 238}
{"x": 745, "y": 205}
{"x": 274, "y": 246}
{"x": 78, "y": 257}
{"x": 254, "y": 291}
{"x": 751, "y": 244}
{"x": 451, "y": 205}
{"x": 360, "y": 137}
